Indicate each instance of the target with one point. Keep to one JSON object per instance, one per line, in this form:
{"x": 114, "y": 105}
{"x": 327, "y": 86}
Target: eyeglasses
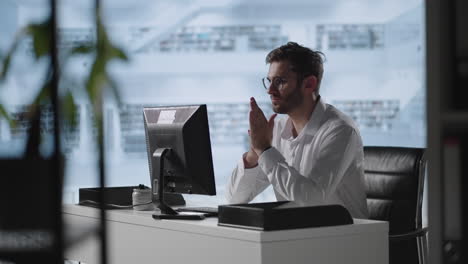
{"x": 277, "y": 83}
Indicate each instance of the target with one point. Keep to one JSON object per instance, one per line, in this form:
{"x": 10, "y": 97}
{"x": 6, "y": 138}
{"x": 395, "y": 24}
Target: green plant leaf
{"x": 105, "y": 47}
{"x": 44, "y": 92}
{"x": 7, "y": 60}
{"x": 95, "y": 81}
{"x": 83, "y": 49}
{"x": 115, "y": 90}
{"x": 3, "y": 112}
{"x": 118, "y": 53}
{"x": 5, "y": 66}
{"x": 69, "y": 109}
{"x": 6, "y": 115}
{"x": 41, "y": 34}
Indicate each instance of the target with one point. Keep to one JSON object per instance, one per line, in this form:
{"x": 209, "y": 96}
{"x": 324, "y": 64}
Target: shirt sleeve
{"x": 334, "y": 156}
{"x": 245, "y": 184}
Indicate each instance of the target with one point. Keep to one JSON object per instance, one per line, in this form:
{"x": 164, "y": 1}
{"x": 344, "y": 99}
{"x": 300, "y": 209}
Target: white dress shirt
{"x": 322, "y": 165}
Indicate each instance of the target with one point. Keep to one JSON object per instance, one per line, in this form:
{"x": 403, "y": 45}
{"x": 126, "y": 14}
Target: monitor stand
{"x": 166, "y": 211}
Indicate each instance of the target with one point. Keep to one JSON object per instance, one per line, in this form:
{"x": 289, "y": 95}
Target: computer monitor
{"x": 179, "y": 154}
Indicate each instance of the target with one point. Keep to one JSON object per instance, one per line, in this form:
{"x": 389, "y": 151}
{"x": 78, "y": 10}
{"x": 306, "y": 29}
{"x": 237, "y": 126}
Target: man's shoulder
{"x": 337, "y": 118}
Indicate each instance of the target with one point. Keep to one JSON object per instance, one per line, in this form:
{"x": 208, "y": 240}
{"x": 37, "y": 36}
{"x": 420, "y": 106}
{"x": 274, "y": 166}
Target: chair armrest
{"x": 405, "y": 236}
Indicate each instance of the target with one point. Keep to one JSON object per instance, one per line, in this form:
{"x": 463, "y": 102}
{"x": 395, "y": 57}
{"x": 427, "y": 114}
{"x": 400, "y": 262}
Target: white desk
{"x": 135, "y": 237}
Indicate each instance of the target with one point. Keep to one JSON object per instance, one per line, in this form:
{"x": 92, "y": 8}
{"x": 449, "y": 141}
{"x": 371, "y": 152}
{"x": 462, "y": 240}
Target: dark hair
{"x": 303, "y": 61}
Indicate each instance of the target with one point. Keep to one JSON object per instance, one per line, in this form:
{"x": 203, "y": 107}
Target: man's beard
{"x": 289, "y": 102}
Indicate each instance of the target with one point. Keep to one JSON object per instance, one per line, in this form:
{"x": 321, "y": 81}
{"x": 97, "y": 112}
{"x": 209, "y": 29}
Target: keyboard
{"x": 208, "y": 210}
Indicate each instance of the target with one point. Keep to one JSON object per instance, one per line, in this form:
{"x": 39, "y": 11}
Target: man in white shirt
{"x": 313, "y": 156}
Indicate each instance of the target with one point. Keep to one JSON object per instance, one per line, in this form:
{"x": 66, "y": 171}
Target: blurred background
{"x": 213, "y": 52}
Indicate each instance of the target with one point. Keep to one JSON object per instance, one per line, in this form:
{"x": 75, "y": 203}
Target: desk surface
{"x": 135, "y": 235}
{"x": 210, "y": 227}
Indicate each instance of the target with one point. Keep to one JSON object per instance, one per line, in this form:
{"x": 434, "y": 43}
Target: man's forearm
{"x": 245, "y": 184}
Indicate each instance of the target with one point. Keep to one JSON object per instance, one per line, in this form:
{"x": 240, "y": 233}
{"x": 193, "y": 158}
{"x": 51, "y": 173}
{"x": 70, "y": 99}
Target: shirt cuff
{"x": 269, "y": 159}
{"x": 249, "y": 173}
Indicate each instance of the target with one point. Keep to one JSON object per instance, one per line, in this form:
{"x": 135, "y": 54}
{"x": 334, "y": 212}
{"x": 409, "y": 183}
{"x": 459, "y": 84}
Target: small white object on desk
{"x": 141, "y": 199}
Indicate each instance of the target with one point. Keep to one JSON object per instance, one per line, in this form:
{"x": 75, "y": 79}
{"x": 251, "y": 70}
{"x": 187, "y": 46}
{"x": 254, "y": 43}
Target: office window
{"x": 229, "y": 38}
{"x": 350, "y": 36}
{"x": 213, "y": 52}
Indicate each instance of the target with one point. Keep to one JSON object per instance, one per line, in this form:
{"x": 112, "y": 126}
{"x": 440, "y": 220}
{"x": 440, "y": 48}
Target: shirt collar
{"x": 312, "y": 125}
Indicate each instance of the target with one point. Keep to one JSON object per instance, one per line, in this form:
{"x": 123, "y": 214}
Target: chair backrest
{"x": 394, "y": 178}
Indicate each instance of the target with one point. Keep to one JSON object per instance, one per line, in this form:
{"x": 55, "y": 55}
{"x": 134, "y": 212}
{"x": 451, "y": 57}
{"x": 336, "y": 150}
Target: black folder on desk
{"x": 281, "y": 215}
{"x": 119, "y": 197}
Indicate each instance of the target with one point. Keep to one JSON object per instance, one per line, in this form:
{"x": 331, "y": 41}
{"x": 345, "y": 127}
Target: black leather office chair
{"x": 394, "y": 178}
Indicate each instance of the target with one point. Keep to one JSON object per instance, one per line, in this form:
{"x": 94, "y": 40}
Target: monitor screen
{"x": 187, "y": 165}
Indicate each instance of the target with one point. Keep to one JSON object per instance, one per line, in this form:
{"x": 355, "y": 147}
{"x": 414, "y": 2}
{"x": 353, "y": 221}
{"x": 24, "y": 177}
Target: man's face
{"x": 286, "y": 96}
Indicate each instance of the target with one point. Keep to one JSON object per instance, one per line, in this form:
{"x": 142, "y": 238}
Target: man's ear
{"x": 311, "y": 84}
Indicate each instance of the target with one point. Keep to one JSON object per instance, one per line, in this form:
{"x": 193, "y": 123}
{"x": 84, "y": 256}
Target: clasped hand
{"x": 261, "y": 129}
